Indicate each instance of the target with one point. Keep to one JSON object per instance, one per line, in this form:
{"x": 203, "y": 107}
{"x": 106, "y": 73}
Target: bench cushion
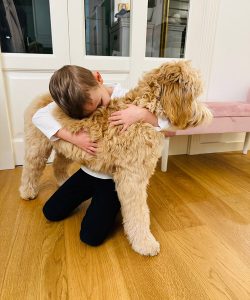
{"x": 220, "y": 125}
{"x": 228, "y": 117}
{"x": 229, "y": 109}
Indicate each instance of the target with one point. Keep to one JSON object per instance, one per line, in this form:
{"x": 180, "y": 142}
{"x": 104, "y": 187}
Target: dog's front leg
{"x": 135, "y": 212}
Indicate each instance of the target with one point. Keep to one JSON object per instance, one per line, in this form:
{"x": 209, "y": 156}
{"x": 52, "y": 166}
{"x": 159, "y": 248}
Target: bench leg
{"x": 164, "y": 155}
{"x": 247, "y": 139}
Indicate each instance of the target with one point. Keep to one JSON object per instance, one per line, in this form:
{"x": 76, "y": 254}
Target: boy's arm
{"x": 44, "y": 120}
{"x": 81, "y": 140}
{"x": 134, "y": 114}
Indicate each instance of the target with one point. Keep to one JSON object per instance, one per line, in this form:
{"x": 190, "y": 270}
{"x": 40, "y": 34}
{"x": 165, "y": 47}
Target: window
{"x": 107, "y": 26}
{"x": 25, "y": 26}
{"x": 166, "y": 28}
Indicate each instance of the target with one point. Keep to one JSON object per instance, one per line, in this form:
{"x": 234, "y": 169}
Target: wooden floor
{"x": 200, "y": 213}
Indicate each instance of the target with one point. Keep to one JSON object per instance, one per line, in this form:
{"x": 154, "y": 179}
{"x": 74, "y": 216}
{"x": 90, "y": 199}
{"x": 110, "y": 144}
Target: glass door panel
{"x": 107, "y": 27}
{"x": 25, "y": 26}
{"x": 34, "y": 34}
{"x": 166, "y": 28}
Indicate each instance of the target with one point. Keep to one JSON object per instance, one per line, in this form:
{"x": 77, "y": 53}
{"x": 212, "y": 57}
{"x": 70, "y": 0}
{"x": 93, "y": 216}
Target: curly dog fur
{"x": 171, "y": 91}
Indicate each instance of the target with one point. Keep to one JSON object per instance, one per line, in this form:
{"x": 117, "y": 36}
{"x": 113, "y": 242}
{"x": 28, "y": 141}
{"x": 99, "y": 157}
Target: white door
{"x": 120, "y": 38}
{"x": 136, "y": 42}
{"x": 151, "y": 32}
{"x": 122, "y": 48}
{"x": 28, "y": 61}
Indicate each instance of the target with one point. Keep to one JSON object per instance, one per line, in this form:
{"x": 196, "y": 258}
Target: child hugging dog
{"x": 79, "y": 92}
{"x": 128, "y": 159}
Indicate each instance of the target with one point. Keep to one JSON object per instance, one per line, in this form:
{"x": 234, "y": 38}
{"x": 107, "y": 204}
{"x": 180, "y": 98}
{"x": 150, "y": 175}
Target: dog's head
{"x": 178, "y": 86}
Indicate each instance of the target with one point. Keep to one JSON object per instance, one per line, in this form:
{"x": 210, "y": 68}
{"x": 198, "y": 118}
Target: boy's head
{"x": 78, "y": 91}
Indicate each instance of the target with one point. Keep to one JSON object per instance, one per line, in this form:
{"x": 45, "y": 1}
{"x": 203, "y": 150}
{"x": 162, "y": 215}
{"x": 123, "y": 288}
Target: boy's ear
{"x": 98, "y": 77}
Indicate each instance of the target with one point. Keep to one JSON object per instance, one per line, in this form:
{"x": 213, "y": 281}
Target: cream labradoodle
{"x": 170, "y": 91}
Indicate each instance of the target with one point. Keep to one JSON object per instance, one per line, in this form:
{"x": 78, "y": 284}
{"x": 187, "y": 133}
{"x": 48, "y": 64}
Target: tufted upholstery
{"x": 228, "y": 117}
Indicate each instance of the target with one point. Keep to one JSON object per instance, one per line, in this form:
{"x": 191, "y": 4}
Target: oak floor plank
{"x": 164, "y": 277}
{"x": 205, "y": 175}
{"x": 210, "y": 257}
{"x": 34, "y": 263}
{"x": 231, "y": 227}
{"x": 162, "y": 203}
{"x": 200, "y": 213}
{"x": 91, "y": 272}
{"x": 239, "y": 202}
{"x": 227, "y": 213}
{"x": 234, "y": 172}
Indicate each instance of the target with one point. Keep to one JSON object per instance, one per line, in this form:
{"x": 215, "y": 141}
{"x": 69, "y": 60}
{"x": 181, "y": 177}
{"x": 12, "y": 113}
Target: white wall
{"x": 224, "y": 59}
{"x": 230, "y": 69}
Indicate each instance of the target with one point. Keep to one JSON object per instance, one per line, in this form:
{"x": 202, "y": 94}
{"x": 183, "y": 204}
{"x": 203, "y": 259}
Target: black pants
{"x": 100, "y": 215}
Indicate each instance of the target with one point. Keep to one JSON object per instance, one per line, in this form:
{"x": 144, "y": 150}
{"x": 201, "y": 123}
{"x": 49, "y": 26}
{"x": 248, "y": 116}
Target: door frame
{"x": 7, "y": 160}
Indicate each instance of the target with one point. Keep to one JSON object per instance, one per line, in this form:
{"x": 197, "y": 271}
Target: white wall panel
{"x": 22, "y": 88}
{"x": 216, "y": 143}
{"x": 230, "y": 69}
{"x": 178, "y": 145}
{"x": 222, "y": 138}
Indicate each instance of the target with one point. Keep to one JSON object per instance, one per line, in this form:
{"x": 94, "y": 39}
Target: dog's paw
{"x": 28, "y": 192}
{"x": 147, "y": 246}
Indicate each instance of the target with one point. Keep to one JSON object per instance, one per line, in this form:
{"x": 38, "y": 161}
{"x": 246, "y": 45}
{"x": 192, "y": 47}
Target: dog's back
{"x": 37, "y": 103}
{"x": 139, "y": 146}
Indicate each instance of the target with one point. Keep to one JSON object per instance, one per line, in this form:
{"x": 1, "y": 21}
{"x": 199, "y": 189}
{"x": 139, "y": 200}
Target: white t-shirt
{"x": 44, "y": 120}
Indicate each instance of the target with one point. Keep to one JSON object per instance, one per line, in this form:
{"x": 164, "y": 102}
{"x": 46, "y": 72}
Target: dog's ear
{"x": 177, "y": 105}
{"x": 181, "y": 85}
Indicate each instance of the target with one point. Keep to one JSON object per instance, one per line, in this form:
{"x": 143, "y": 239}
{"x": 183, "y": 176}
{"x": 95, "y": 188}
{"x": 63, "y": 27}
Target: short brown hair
{"x": 69, "y": 87}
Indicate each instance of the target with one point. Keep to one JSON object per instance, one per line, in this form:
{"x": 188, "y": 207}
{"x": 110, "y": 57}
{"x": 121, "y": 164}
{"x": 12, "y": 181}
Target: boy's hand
{"x": 130, "y": 115}
{"x": 81, "y": 140}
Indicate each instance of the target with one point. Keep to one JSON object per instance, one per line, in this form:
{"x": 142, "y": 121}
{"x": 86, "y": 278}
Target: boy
{"x": 79, "y": 92}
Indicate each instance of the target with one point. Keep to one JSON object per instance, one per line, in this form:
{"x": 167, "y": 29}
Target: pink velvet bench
{"x": 228, "y": 117}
